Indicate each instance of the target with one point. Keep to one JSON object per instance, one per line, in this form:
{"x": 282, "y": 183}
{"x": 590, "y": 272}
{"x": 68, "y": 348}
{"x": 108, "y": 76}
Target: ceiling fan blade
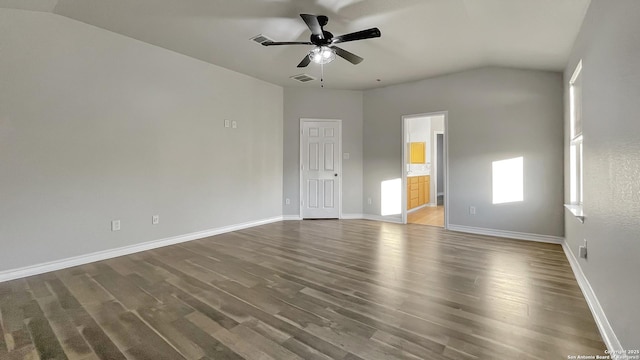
{"x": 271, "y": 43}
{"x": 358, "y": 35}
{"x": 313, "y": 24}
{"x": 305, "y": 61}
{"x": 349, "y": 56}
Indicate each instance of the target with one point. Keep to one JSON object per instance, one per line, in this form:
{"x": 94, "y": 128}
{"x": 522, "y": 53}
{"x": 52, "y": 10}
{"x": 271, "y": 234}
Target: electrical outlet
{"x": 226, "y": 123}
{"x": 369, "y": 201}
{"x": 287, "y": 201}
{"x": 582, "y": 250}
{"x": 155, "y": 219}
{"x": 115, "y": 225}
{"x": 472, "y": 210}
{"x": 234, "y": 124}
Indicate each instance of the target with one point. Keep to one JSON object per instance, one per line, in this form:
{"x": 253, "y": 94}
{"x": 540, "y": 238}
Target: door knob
{"x": 335, "y": 174}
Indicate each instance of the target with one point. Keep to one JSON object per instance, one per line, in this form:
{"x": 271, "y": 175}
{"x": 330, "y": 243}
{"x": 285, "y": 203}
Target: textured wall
{"x": 95, "y": 126}
{"x": 609, "y": 47}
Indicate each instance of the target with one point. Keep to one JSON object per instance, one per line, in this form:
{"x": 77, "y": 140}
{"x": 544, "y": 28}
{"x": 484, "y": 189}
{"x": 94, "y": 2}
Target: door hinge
{"x": 301, "y": 167}
{"x": 302, "y": 131}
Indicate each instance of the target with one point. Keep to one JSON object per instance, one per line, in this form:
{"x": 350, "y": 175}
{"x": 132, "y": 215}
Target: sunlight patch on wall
{"x": 508, "y": 180}
{"x": 573, "y": 171}
{"x": 391, "y": 197}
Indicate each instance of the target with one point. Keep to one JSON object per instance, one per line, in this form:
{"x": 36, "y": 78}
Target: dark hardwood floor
{"x": 351, "y": 289}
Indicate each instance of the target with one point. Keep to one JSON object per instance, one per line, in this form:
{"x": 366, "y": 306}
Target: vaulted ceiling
{"x": 420, "y": 38}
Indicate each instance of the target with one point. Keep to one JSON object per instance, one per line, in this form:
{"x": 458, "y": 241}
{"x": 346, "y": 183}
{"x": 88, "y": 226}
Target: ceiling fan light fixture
{"x": 322, "y": 55}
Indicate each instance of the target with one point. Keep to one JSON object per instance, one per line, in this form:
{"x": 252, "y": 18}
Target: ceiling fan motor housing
{"x": 316, "y": 40}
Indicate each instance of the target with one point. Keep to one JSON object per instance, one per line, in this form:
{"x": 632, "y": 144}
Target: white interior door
{"x": 320, "y": 167}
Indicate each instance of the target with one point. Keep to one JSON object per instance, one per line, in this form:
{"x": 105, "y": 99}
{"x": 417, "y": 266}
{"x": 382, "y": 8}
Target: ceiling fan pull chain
{"x": 321, "y": 75}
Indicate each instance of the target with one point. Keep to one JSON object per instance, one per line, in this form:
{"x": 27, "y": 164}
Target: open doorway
{"x": 424, "y": 169}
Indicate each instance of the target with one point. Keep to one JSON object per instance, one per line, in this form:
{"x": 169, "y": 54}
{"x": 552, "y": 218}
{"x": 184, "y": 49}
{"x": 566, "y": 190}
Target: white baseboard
{"x": 381, "y": 218}
{"x": 12, "y": 274}
{"x": 606, "y": 331}
{"x": 507, "y": 234}
{"x": 422, "y": 207}
{"x": 291, "y": 217}
{"x": 352, "y": 216}
{"x": 417, "y": 208}
{"x": 342, "y": 217}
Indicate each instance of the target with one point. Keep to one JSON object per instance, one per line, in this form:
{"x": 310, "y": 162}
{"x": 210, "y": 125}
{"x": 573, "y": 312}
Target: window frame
{"x": 576, "y": 139}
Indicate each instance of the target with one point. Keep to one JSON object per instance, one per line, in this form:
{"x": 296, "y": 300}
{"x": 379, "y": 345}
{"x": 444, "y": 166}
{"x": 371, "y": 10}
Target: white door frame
{"x": 301, "y": 194}
{"x": 435, "y": 156}
{"x": 445, "y": 159}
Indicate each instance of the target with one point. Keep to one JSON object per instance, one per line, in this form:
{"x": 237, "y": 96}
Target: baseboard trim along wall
{"x": 381, "y": 218}
{"x": 12, "y": 274}
{"x": 507, "y": 234}
{"x": 291, "y": 217}
{"x": 352, "y": 216}
{"x": 606, "y": 331}
{"x": 418, "y": 208}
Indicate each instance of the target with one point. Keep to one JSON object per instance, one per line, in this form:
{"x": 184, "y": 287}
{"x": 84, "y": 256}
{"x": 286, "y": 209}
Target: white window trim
{"x": 572, "y": 120}
{"x": 576, "y": 147}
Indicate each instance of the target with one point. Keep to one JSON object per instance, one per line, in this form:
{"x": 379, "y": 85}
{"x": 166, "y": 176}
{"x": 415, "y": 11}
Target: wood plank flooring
{"x": 349, "y": 289}
{"x": 428, "y": 215}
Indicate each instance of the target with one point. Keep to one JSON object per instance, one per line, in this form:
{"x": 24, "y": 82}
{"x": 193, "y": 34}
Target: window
{"x": 576, "y": 144}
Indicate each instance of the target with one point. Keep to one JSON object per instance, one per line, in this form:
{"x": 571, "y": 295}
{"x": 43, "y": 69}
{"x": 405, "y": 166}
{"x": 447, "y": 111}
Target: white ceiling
{"x": 420, "y": 38}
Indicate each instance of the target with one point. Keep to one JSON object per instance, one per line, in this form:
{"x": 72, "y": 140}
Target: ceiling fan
{"x": 325, "y": 49}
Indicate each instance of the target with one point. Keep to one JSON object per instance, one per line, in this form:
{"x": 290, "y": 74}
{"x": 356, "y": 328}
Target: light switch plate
{"x": 115, "y": 225}
{"x": 234, "y": 124}
{"x": 226, "y": 123}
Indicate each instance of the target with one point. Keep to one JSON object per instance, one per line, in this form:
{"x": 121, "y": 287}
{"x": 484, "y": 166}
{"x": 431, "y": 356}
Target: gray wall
{"x": 323, "y": 104}
{"x": 494, "y": 114}
{"x": 95, "y": 126}
{"x": 609, "y": 47}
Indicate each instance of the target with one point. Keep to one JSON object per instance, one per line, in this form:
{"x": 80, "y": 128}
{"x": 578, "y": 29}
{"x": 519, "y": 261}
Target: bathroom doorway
{"x": 424, "y": 169}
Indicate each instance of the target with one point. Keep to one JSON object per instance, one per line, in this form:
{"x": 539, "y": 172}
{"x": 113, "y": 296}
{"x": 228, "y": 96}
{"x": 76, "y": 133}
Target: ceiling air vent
{"x": 261, "y": 39}
{"x": 303, "y": 78}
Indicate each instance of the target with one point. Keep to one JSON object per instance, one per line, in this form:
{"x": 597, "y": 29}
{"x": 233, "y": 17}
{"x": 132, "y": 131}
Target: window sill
{"x": 576, "y": 210}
